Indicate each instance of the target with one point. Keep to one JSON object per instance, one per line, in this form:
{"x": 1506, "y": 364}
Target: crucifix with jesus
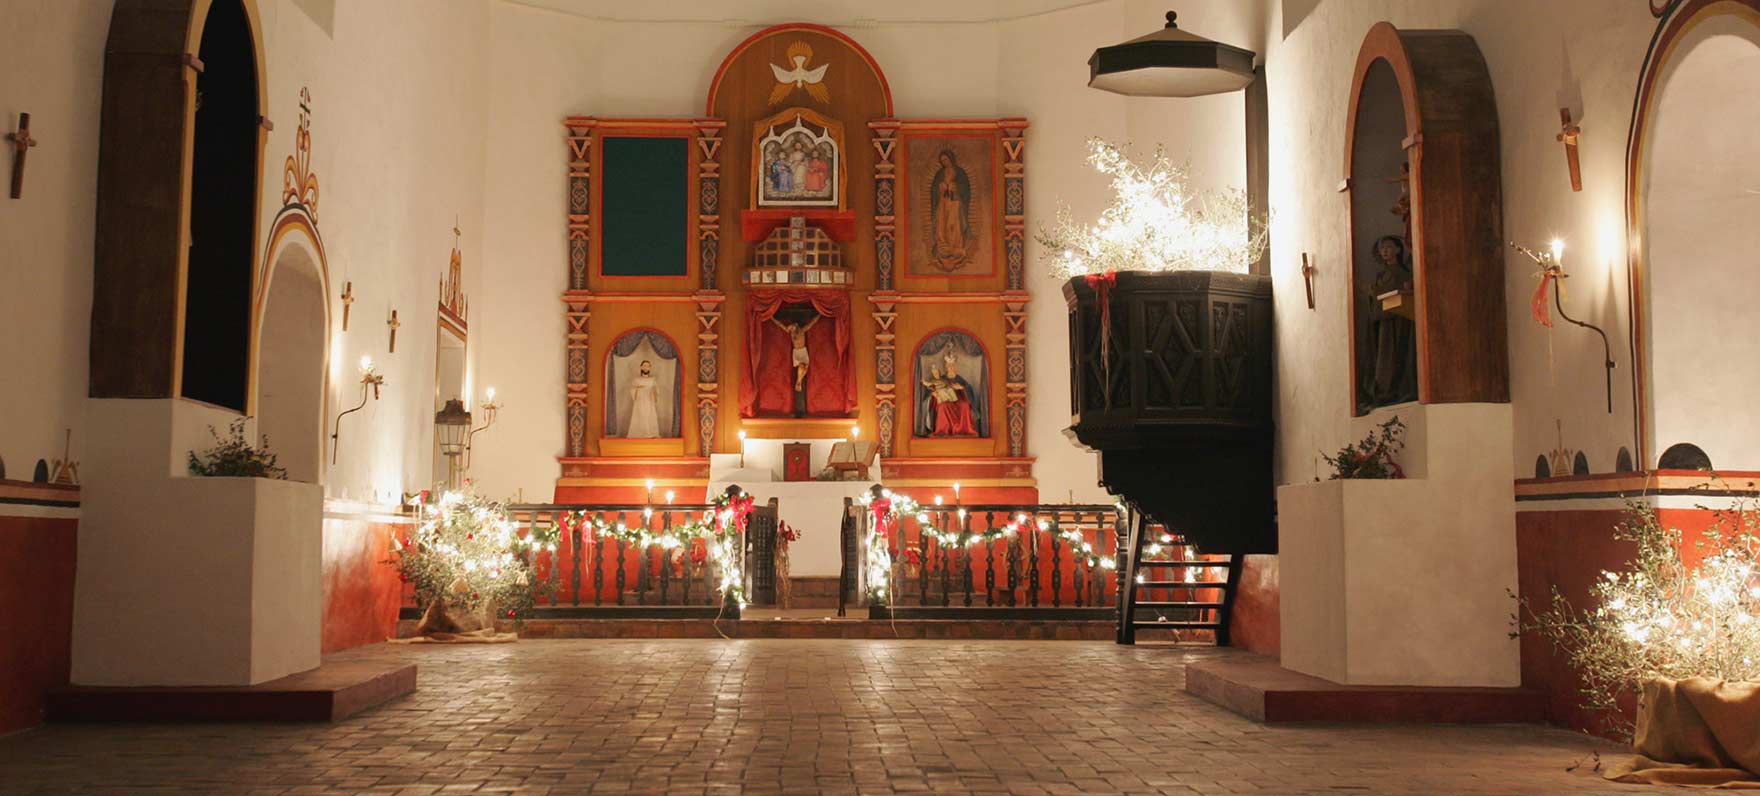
{"x": 796, "y": 322}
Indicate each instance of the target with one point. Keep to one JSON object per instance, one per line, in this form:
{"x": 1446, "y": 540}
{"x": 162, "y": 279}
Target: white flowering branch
{"x": 1157, "y": 221}
{"x": 1658, "y": 617}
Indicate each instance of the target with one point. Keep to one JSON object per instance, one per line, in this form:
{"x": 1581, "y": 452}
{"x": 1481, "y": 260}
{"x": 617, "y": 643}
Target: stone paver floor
{"x": 796, "y": 716}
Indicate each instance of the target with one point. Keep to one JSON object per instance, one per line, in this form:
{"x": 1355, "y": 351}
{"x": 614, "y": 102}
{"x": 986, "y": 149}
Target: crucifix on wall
{"x": 1568, "y": 135}
{"x": 796, "y": 322}
{"x": 21, "y": 146}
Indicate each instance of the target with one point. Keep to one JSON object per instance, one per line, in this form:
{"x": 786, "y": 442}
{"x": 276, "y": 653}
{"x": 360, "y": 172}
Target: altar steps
{"x": 1191, "y": 596}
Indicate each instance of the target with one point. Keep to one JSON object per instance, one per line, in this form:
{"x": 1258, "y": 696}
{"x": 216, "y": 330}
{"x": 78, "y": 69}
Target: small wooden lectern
{"x": 850, "y": 460}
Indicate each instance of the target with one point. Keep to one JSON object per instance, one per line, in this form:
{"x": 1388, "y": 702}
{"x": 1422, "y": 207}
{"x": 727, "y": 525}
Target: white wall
{"x": 51, "y": 66}
{"x": 1702, "y": 191}
{"x": 1582, "y": 53}
{"x": 941, "y": 60}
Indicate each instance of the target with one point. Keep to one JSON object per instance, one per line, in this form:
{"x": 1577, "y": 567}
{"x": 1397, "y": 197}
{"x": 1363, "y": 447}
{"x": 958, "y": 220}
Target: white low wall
{"x": 1407, "y": 582}
{"x": 183, "y": 580}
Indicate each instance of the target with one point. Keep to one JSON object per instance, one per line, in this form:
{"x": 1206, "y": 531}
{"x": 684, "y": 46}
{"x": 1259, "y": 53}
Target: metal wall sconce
{"x": 489, "y": 408}
{"x": 370, "y": 379}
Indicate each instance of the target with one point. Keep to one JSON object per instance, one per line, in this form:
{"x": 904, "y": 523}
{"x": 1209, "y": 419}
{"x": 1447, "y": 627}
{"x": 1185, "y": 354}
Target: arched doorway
{"x": 292, "y": 352}
{"x": 222, "y": 212}
{"x": 1697, "y": 194}
{"x": 179, "y": 159}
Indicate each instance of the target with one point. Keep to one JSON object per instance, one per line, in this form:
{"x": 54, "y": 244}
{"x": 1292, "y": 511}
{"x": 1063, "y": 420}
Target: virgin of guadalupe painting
{"x": 797, "y": 164}
{"x": 952, "y": 227}
{"x": 642, "y": 380}
{"x": 952, "y": 397}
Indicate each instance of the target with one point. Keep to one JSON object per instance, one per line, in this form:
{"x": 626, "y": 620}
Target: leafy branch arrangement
{"x": 1372, "y": 456}
{"x": 1658, "y": 617}
{"x": 467, "y": 554}
{"x": 234, "y": 457}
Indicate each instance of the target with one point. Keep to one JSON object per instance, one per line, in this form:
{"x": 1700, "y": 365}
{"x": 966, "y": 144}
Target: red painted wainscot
{"x": 39, "y": 531}
{"x": 1565, "y": 538}
{"x": 1253, "y": 622}
{"x": 362, "y": 591}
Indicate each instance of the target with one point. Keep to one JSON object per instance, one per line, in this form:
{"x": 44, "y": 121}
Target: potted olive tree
{"x": 1170, "y": 348}
{"x": 1677, "y": 638}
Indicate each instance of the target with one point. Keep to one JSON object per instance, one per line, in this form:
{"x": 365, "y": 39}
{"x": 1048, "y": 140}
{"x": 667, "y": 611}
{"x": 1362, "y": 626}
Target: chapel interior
{"x": 600, "y": 383}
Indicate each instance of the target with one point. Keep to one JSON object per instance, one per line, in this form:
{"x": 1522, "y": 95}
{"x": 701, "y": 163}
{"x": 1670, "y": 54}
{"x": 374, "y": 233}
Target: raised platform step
{"x": 1157, "y": 624}
{"x": 1258, "y": 688}
{"x": 332, "y": 692}
{"x": 1152, "y": 604}
{"x": 769, "y": 623}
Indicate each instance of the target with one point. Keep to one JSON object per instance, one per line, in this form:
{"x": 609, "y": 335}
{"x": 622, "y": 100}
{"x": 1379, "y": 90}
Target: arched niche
{"x": 178, "y": 195}
{"x": 1423, "y": 119}
{"x": 292, "y": 357}
{"x": 1694, "y": 192}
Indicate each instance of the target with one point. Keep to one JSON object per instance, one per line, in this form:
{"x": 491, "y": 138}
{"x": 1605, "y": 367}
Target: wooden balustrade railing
{"x": 1038, "y": 559}
{"x": 630, "y": 556}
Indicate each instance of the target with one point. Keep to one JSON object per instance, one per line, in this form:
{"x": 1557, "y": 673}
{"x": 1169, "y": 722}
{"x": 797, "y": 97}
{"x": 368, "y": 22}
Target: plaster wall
{"x": 51, "y": 66}
{"x": 1702, "y": 193}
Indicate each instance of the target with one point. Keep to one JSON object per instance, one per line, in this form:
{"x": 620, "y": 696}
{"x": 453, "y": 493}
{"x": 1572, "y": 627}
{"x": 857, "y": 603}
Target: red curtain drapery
{"x": 831, "y": 377}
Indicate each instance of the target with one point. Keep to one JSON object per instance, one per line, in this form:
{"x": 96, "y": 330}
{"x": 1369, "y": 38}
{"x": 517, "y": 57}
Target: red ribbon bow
{"x": 1540, "y": 306}
{"x": 742, "y": 508}
{"x": 1103, "y": 283}
{"x": 882, "y": 508}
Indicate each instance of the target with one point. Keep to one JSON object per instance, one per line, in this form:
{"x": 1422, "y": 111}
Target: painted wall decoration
{"x": 952, "y": 386}
{"x": 799, "y": 75}
{"x": 799, "y": 161}
{"x": 951, "y": 184}
{"x": 643, "y": 376}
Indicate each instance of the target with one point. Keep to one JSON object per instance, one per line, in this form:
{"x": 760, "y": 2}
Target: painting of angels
{"x": 642, "y": 380}
{"x": 951, "y": 180}
{"x": 952, "y": 397}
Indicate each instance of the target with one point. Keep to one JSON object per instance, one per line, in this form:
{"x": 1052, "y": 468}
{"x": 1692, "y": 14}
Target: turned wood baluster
{"x": 923, "y": 567}
{"x": 666, "y": 557}
{"x": 965, "y": 537}
{"x": 1075, "y": 561}
{"x": 989, "y": 560}
{"x": 1057, "y": 563}
{"x": 598, "y": 565}
{"x": 1033, "y": 565}
{"x": 946, "y": 570}
{"x": 1012, "y": 551}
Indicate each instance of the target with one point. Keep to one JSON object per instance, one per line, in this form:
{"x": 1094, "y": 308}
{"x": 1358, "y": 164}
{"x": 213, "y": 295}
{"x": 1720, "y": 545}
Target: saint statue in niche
{"x": 1393, "y": 373}
{"x": 950, "y": 202}
{"x": 948, "y": 403}
{"x": 644, "y": 405}
{"x": 797, "y": 335}
{"x": 642, "y": 378}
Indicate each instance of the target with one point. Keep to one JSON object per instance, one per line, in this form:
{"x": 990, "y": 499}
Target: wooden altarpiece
{"x": 804, "y": 182}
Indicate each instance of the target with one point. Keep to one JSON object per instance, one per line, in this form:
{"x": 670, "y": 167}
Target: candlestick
{"x": 956, "y": 493}
{"x": 650, "y": 490}
{"x": 742, "y": 449}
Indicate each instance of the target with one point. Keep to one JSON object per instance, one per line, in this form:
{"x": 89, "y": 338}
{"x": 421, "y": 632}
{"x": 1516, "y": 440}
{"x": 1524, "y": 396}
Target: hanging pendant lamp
{"x": 1170, "y": 63}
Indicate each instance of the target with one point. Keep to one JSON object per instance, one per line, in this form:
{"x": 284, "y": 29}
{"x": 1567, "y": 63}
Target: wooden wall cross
{"x": 21, "y": 145}
{"x": 1568, "y": 136}
{"x": 1308, "y": 278}
{"x": 393, "y": 323}
{"x": 347, "y": 302}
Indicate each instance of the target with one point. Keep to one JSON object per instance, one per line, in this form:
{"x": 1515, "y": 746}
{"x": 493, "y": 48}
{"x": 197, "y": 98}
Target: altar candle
{"x": 956, "y": 492}
{"x": 650, "y": 490}
{"x": 742, "y": 449}
{"x": 668, "y": 497}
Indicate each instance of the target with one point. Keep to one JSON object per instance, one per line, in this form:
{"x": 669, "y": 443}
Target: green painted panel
{"x": 645, "y": 219}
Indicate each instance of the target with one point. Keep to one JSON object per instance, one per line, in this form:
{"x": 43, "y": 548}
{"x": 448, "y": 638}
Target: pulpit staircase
{"x": 1167, "y": 585}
